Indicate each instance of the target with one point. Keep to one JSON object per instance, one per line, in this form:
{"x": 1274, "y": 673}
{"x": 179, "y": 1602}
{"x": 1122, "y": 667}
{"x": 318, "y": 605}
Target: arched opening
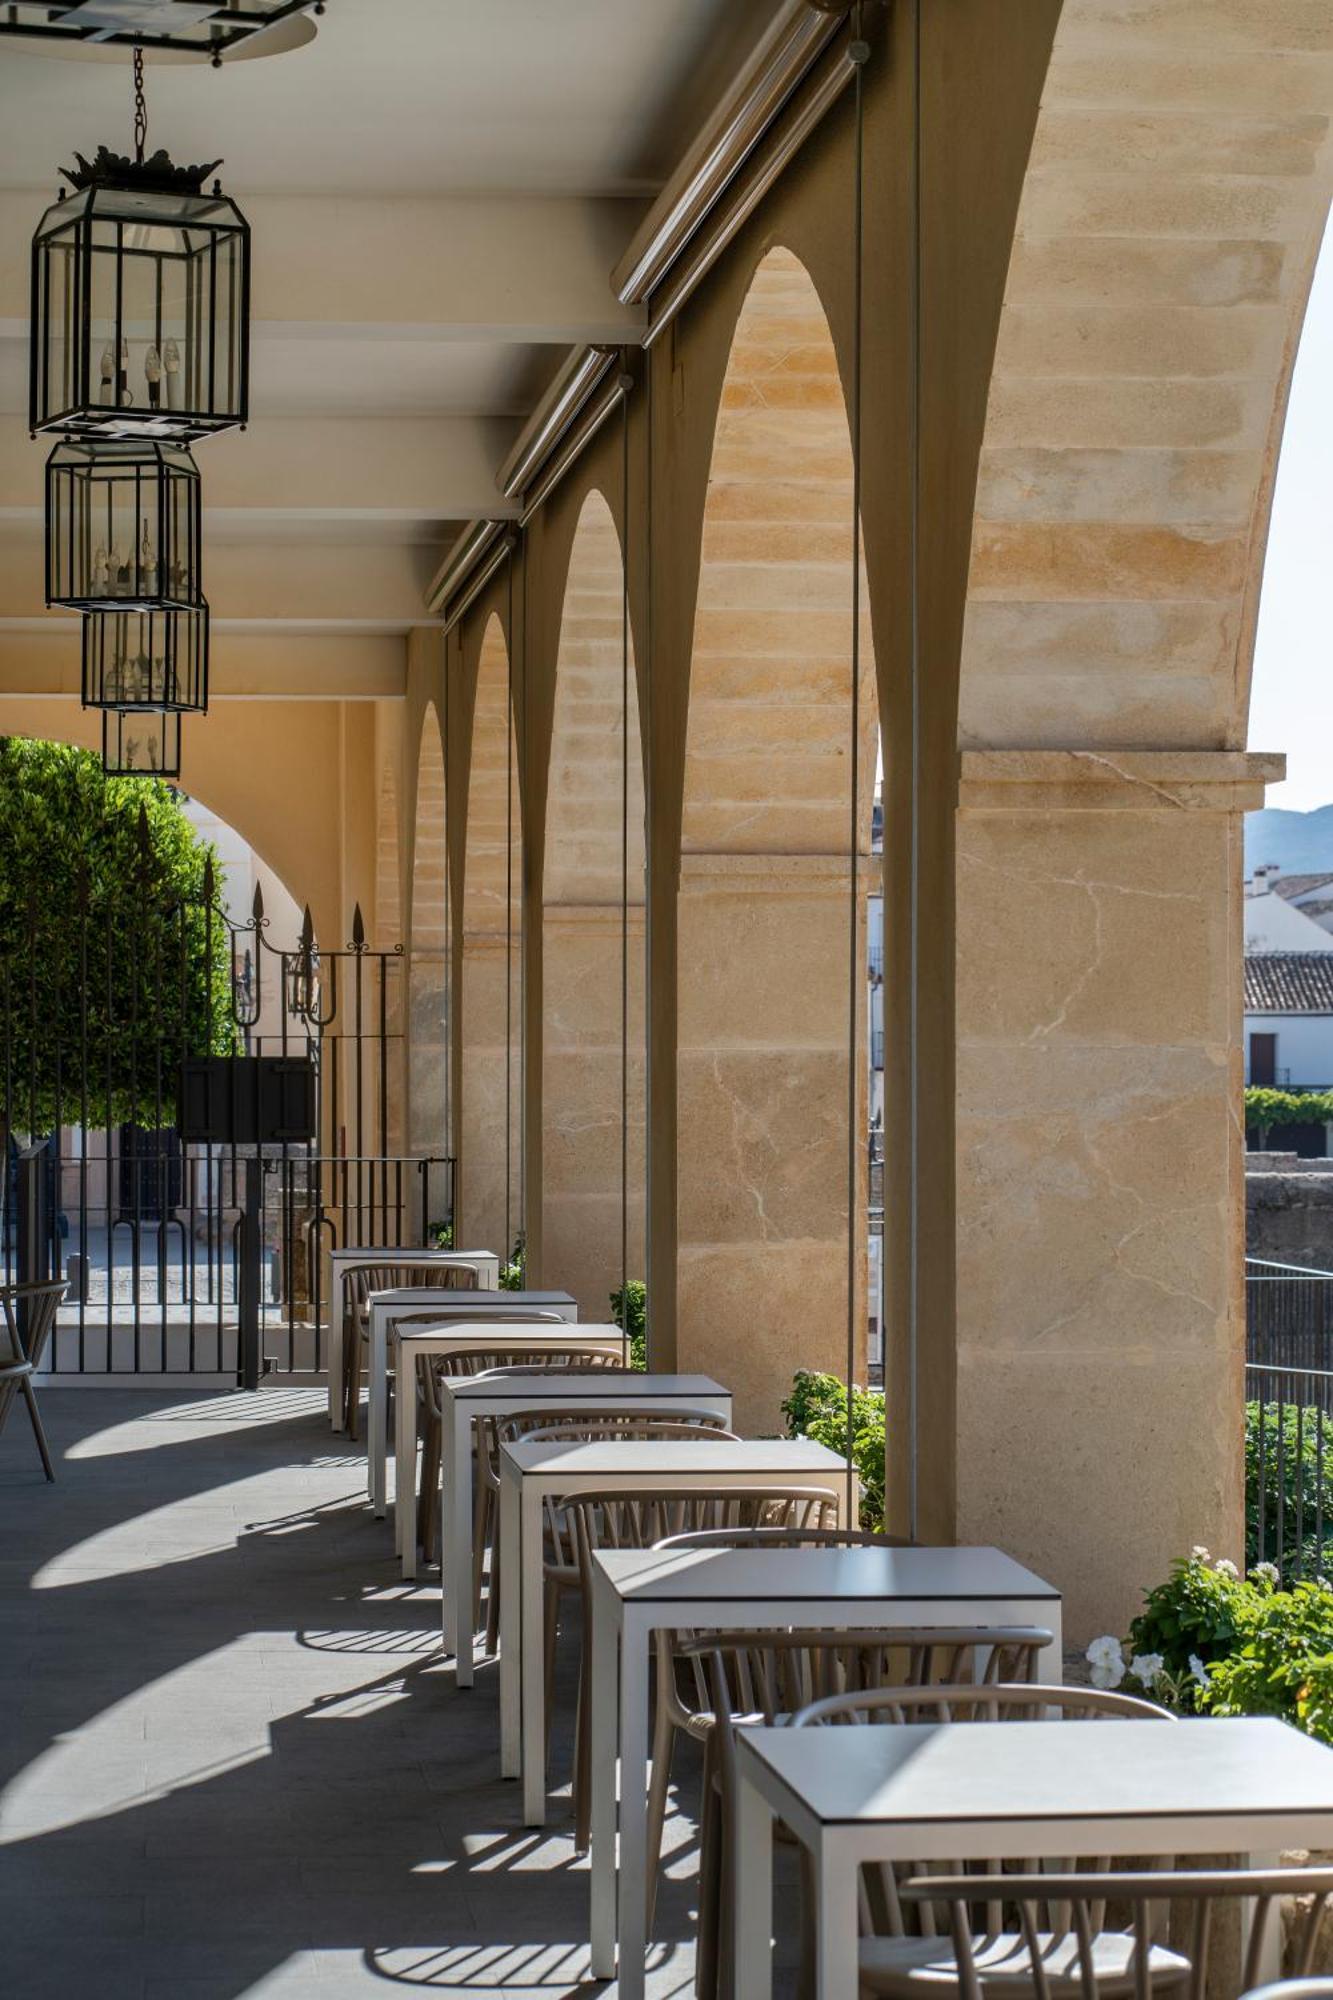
{"x": 490, "y": 1086}
{"x": 772, "y": 1187}
{"x": 593, "y": 937}
{"x": 428, "y": 995}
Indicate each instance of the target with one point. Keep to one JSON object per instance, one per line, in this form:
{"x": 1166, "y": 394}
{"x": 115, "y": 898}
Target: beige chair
{"x": 359, "y": 1281}
{"x": 721, "y": 1680}
{"x": 963, "y": 1702}
{"x": 1047, "y": 1935}
{"x": 632, "y": 1519}
{"x": 432, "y": 1370}
{"x": 29, "y": 1317}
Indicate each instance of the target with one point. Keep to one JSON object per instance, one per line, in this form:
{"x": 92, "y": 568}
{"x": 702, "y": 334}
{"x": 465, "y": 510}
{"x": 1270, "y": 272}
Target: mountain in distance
{"x": 1301, "y": 843}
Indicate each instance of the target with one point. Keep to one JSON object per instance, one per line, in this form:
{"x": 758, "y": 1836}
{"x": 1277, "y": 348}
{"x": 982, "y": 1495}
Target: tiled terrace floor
{"x": 234, "y": 1762}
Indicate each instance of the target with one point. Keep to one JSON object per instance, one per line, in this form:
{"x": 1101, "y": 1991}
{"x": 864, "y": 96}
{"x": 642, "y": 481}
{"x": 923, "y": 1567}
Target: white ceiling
{"x": 533, "y": 96}
{"x": 397, "y": 345}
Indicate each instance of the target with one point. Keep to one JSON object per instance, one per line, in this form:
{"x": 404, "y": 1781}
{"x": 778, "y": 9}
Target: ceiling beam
{"x": 510, "y": 268}
{"x": 430, "y": 469}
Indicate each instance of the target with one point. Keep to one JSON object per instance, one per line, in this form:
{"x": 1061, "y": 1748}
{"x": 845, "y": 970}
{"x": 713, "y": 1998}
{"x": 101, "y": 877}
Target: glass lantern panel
{"x": 57, "y": 360}
{"x": 143, "y": 745}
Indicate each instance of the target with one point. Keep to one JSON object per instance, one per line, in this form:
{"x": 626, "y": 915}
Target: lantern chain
{"x": 140, "y": 106}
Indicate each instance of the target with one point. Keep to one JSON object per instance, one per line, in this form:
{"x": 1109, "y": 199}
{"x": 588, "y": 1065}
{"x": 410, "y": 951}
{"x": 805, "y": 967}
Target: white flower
{"x": 1146, "y": 1667}
{"x": 1106, "y": 1657}
{"x": 1225, "y": 1567}
{"x": 1268, "y": 1571}
{"x": 1199, "y": 1554}
{"x": 1199, "y": 1670}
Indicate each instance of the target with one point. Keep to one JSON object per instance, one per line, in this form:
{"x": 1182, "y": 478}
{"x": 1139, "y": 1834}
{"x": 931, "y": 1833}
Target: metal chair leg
{"x": 34, "y": 1417}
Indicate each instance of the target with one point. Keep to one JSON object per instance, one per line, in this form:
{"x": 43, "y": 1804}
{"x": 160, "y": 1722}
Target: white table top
{"x": 670, "y": 1458}
{"x": 401, "y": 1253}
{"x": 571, "y": 1385}
{"x": 923, "y": 1773}
{"x": 451, "y": 1302}
{"x": 737, "y": 1576}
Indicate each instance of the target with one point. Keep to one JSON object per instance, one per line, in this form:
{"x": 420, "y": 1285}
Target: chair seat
{"x": 902, "y": 1967}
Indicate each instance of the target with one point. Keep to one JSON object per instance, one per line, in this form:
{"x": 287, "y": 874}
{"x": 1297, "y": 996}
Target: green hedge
{"x": 817, "y": 1408}
{"x": 1266, "y": 1108}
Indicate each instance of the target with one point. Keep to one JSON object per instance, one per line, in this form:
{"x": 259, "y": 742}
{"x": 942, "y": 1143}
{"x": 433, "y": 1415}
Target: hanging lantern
{"x": 141, "y": 301}
{"x": 146, "y": 660}
{"x": 141, "y": 743}
{"x": 122, "y": 526}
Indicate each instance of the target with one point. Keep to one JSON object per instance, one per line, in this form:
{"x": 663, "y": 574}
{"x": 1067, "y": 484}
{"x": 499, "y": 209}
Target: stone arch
{"x": 490, "y": 1180}
{"x": 428, "y": 967}
{"x": 764, "y": 947}
{"x": 590, "y": 856}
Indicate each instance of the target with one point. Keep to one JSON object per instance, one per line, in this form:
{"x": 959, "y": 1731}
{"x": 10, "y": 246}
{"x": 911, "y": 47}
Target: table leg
{"x": 532, "y": 1663}
{"x": 456, "y": 1551}
{"x": 510, "y": 1557}
{"x": 836, "y": 1937}
{"x": 1269, "y": 1967}
{"x": 405, "y": 1458}
{"x": 377, "y": 1417}
{"x": 336, "y": 1360}
{"x": 602, "y": 1858}
{"x": 753, "y": 1889}
{"x": 633, "y": 1880}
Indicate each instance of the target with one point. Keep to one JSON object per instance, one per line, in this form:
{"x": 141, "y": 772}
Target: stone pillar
{"x": 1100, "y": 1332}
{"x": 486, "y": 1218}
{"x": 762, "y": 1079}
{"x": 582, "y": 1100}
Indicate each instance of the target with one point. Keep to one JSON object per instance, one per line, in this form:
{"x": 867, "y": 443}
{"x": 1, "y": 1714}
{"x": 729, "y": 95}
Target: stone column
{"x": 1100, "y": 1192}
{"x": 582, "y": 1100}
{"x": 486, "y": 1220}
{"x": 762, "y": 1077}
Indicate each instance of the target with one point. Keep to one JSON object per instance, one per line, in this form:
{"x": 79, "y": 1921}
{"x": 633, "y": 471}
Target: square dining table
{"x": 383, "y": 1309}
{"x": 467, "y": 1397}
{"x": 637, "y": 1592}
{"x": 930, "y": 1792}
{"x": 522, "y": 1337}
{"x": 484, "y": 1262}
{"x": 531, "y": 1472}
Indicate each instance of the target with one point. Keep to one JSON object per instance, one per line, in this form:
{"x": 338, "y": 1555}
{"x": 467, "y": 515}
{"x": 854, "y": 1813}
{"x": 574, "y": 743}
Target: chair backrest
{"x": 787, "y": 1538}
{"x": 29, "y": 1312}
{"x": 478, "y": 1360}
{"x": 360, "y": 1280}
{"x": 628, "y": 1518}
{"x": 964, "y": 1703}
{"x": 1047, "y": 1908}
{"x": 596, "y": 1422}
{"x": 987, "y": 1700}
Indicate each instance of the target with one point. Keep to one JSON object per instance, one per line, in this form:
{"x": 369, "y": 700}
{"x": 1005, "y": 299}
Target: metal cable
{"x": 624, "y": 863}
{"x": 509, "y": 901}
{"x": 914, "y": 818}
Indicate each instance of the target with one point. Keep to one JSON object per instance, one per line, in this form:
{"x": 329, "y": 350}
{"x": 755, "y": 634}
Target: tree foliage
{"x": 1266, "y": 1107}
{"x": 106, "y": 980}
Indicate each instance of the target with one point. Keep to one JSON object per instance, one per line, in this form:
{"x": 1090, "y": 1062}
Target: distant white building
{"x": 1289, "y": 1019}
{"x": 1288, "y": 913}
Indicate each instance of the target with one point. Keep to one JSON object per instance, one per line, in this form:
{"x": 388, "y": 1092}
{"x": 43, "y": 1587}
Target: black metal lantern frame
{"x": 146, "y": 660}
{"x": 122, "y": 526}
{"x": 140, "y": 306}
{"x": 141, "y": 743}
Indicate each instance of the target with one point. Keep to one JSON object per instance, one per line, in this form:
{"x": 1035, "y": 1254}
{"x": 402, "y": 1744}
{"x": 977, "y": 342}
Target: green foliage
{"x": 817, "y": 1408}
{"x": 629, "y": 1310}
{"x": 1266, "y": 1107}
{"x": 1210, "y": 1641}
{"x": 1285, "y": 1666}
{"x": 1294, "y": 1476}
{"x": 439, "y": 1235}
{"x": 66, "y": 830}
{"x": 513, "y": 1274}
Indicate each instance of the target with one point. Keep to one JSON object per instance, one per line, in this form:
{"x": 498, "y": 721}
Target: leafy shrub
{"x": 1210, "y": 1641}
{"x": 439, "y": 1235}
{"x": 629, "y": 1310}
{"x": 817, "y": 1408}
{"x": 513, "y": 1274}
{"x": 1266, "y": 1107}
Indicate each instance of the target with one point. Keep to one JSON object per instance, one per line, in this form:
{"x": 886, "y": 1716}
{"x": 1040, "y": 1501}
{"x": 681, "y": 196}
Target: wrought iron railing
{"x": 1288, "y": 1417}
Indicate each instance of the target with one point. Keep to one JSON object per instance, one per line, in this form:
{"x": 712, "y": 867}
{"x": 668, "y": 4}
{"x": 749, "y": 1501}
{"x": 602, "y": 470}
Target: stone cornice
{"x": 1116, "y": 780}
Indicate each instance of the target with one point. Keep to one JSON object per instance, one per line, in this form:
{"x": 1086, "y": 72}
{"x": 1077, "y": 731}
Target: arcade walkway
{"x": 233, "y": 1762}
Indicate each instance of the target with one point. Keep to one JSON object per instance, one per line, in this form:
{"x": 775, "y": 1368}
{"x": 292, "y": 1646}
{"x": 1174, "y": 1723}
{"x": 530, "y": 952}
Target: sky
{"x": 1291, "y": 707}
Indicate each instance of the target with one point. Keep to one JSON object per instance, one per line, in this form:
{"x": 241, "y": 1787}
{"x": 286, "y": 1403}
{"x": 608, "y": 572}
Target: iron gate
{"x": 151, "y": 1231}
